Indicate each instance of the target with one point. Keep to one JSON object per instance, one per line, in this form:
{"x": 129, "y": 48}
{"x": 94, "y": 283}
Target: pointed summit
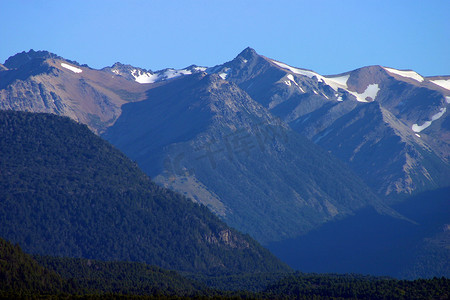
{"x": 247, "y": 51}
{"x": 247, "y": 54}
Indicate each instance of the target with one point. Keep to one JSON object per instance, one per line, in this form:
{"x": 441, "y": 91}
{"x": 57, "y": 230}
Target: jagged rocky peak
{"x": 247, "y": 54}
{"x": 126, "y": 67}
{"x": 246, "y": 64}
{"x": 131, "y": 73}
{"x": 20, "y": 59}
{"x": 119, "y": 65}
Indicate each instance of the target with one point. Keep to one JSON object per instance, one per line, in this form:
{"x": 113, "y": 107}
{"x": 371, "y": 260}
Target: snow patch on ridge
{"x": 307, "y": 73}
{"x": 368, "y": 95}
{"x": 418, "y": 128}
{"x": 409, "y": 74}
{"x": 172, "y": 73}
{"x": 147, "y": 77}
{"x": 144, "y": 77}
{"x": 291, "y": 78}
{"x": 335, "y": 83}
{"x": 445, "y": 83}
{"x": 71, "y": 68}
{"x": 224, "y": 73}
{"x": 201, "y": 69}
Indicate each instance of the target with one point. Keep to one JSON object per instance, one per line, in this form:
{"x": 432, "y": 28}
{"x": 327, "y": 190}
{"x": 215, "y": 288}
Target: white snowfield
{"x": 335, "y": 83}
{"x": 201, "y": 69}
{"x": 445, "y": 83}
{"x": 291, "y": 78}
{"x": 338, "y": 82}
{"x": 144, "y": 77}
{"x": 224, "y": 73}
{"x": 71, "y": 68}
{"x": 368, "y": 95}
{"x": 418, "y": 128}
{"x": 147, "y": 77}
{"x": 307, "y": 73}
{"x": 171, "y": 73}
{"x": 409, "y": 74}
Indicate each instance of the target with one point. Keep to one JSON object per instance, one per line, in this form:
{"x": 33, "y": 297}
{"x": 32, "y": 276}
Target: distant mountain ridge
{"x": 413, "y": 107}
{"x": 148, "y": 76}
{"x": 405, "y": 111}
{"x": 313, "y": 105}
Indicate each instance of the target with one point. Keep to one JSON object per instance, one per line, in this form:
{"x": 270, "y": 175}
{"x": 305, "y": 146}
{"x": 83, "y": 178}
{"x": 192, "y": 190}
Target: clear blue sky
{"x": 329, "y": 37}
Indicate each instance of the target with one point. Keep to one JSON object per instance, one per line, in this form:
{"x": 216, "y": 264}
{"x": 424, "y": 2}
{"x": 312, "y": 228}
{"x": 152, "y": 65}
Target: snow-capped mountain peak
{"x": 147, "y": 76}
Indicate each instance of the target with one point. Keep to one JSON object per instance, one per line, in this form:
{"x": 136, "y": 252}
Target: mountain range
{"x": 274, "y": 150}
{"x": 390, "y": 126}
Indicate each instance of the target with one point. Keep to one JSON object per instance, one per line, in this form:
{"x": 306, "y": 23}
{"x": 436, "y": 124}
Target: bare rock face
{"x": 44, "y": 82}
{"x": 228, "y": 238}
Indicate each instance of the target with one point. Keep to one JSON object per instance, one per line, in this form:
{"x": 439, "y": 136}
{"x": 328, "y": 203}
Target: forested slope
{"x": 67, "y": 192}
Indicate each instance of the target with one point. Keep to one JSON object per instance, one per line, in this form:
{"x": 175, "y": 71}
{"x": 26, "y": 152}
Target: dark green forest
{"x": 19, "y": 272}
{"x": 314, "y": 286}
{"x": 24, "y": 276}
{"x": 118, "y": 277}
{"x": 67, "y": 192}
